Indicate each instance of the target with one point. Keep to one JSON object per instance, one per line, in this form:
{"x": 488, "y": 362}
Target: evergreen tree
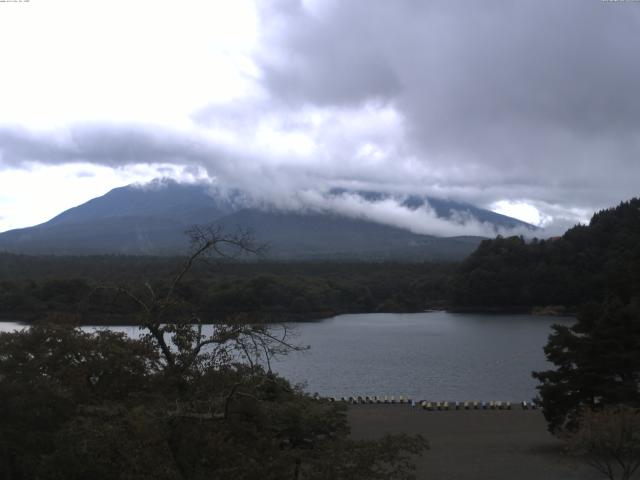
{"x": 588, "y": 263}
{"x": 597, "y": 363}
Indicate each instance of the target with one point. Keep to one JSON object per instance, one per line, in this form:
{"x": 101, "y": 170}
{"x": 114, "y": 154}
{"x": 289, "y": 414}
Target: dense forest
{"x": 587, "y": 264}
{"x": 34, "y": 287}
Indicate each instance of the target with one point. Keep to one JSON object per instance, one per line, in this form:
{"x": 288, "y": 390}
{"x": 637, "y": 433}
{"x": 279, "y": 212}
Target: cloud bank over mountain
{"x": 492, "y": 103}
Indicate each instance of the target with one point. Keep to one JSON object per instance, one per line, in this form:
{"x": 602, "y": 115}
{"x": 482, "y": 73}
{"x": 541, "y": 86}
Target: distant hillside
{"x": 152, "y": 220}
{"x": 588, "y": 263}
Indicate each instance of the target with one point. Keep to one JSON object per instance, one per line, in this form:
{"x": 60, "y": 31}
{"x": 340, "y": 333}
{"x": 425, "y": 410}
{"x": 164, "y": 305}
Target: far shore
{"x": 127, "y": 320}
{"x": 475, "y": 444}
{"x": 543, "y": 311}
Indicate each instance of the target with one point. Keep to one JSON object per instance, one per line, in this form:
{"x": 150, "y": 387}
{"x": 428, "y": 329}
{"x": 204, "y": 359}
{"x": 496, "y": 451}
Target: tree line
{"x": 589, "y": 263}
{"x": 34, "y": 287}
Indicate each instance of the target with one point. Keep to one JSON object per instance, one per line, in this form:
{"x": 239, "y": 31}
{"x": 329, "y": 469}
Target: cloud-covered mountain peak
{"x": 152, "y": 218}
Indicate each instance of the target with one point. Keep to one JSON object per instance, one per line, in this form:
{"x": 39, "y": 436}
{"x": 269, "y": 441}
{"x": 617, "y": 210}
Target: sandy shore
{"x": 475, "y": 444}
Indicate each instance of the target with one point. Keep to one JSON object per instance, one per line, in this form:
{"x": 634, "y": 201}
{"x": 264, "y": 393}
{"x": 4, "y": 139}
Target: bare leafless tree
{"x": 176, "y": 328}
{"x": 609, "y": 440}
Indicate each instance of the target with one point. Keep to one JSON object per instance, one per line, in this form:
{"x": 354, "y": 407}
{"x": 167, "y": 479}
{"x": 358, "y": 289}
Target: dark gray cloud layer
{"x": 104, "y": 144}
{"x": 540, "y": 94}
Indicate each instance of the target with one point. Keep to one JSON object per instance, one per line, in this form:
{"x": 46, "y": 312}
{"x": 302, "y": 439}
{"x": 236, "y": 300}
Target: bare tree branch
{"x": 181, "y": 340}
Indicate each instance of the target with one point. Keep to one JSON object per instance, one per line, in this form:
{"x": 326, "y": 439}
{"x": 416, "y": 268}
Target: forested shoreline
{"x": 504, "y": 275}
{"x": 37, "y": 288}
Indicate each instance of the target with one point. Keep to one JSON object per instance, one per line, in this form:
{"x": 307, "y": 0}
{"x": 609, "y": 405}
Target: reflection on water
{"x": 435, "y": 355}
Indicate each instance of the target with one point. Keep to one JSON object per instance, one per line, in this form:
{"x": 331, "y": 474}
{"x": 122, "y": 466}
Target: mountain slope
{"x": 153, "y": 219}
{"x": 159, "y": 199}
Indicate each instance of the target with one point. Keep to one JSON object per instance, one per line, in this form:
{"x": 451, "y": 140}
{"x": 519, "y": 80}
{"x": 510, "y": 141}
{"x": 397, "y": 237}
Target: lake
{"x": 431, "y": 355}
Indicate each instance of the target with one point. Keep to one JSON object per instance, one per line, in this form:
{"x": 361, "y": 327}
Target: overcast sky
{"x": 530, "y": 108}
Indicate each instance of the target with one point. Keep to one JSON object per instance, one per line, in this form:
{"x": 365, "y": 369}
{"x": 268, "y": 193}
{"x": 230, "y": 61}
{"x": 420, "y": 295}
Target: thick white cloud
{"x": 88, "y": 60}
{"x": 391, "y": 211}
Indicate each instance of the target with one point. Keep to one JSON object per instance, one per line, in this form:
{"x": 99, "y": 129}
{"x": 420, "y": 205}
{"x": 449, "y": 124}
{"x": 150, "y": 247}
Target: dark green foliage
{"x": 34, "y": 287}
{"x": 587, "y": 263}
{"x": 48, "y": 373}
{"x": 101, "y": 406}
{"x": 597, "y": 363}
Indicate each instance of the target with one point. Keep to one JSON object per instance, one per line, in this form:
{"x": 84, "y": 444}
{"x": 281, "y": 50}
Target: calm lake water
{"x": 432, "y": 355}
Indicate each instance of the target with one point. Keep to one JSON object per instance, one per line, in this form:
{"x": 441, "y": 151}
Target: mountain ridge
{"x": 151, "y": 219}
